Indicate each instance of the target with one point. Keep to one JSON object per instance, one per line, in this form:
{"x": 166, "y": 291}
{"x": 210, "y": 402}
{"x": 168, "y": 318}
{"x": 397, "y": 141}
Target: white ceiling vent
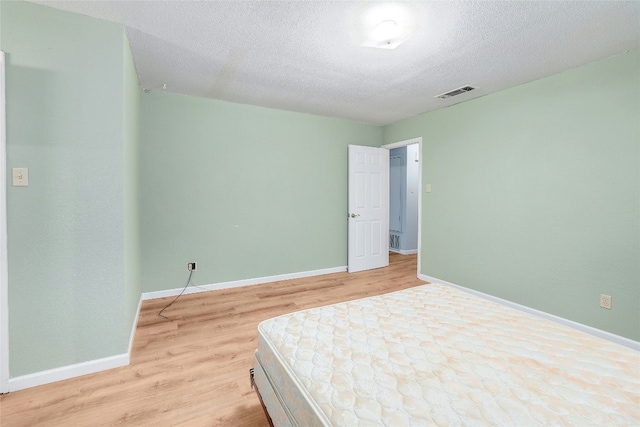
{"x": 460, "y": 90}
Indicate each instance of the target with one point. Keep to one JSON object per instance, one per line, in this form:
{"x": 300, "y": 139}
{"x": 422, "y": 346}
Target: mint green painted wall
{"x": 536, "y": 193}
{"x": 66, "y": 235}
{"x": 245, "y": 191}
{"x": 131, "y": 120}
{"x": 535, "y": 190}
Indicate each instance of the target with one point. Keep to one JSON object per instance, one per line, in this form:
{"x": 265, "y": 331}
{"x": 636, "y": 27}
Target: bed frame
{"x": 255, "y": 387}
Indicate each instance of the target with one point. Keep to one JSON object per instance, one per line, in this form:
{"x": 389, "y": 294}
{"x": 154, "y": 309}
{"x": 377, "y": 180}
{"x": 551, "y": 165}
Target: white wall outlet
{"x": 605, "y": 301}
{"x": 20, "y": 177}
{"x": 192, "y": 266}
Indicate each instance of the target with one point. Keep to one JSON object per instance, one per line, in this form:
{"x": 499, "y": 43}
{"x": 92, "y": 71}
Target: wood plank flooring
{"x": 193, "y": 369}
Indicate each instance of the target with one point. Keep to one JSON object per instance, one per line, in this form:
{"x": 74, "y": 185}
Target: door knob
{"x": 354, "y": 215}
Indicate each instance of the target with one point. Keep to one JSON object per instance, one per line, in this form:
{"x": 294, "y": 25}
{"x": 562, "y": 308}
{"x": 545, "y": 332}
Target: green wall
{"x": 70, "y": 96}
{"x": 536, "y": 193}
{"x": 535, "y": 190}
{"x": 245, "y": 191}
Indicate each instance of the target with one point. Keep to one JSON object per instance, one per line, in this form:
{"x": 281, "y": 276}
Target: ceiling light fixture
{"x": 387, "y": 25}
{"x": 387, "y": 31}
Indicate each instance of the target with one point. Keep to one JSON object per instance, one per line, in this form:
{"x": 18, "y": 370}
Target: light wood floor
{"x": 193, "y": 369}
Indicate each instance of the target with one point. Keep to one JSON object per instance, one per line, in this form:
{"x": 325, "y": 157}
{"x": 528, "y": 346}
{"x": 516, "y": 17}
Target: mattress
{"x": 436, "y": 355}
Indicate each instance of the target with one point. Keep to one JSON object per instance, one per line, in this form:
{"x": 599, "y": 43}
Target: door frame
{"x": 417, "y": 140}
{"x": 4, "y": 276}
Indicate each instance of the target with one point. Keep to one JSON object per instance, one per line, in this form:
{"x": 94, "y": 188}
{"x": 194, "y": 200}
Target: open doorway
{"x": 405, "y": 197}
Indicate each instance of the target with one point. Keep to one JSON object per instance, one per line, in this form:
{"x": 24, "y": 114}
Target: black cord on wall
{"x": 176, "y": 298}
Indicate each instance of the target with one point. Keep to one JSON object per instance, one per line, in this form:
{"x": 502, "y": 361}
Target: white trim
{"x": 635, "y": 345}
{"x": 238, "y": 283}
{"x": 404, "y": 143}
{"x": 83, "y": 368}
{"x": 134, "y": 326}
{"x": 4, "y": 260}
{"x": 401, "y": 252}
{"x": 67, "y": 372}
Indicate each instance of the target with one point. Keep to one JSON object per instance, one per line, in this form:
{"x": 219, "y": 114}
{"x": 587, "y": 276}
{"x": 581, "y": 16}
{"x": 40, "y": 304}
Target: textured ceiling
{"x": 307, "y": 56}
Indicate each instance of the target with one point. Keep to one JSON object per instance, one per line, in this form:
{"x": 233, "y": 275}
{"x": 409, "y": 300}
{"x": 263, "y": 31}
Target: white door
{"x": 368, "y": 214}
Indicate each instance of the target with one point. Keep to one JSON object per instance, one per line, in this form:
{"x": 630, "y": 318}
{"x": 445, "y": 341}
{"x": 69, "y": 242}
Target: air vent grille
{"x": 394, "y": 241}
{"x": 455, "y": 92}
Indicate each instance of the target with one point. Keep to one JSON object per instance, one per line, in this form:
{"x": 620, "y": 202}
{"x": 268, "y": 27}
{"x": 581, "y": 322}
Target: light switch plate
{"x": 20, "y": 177}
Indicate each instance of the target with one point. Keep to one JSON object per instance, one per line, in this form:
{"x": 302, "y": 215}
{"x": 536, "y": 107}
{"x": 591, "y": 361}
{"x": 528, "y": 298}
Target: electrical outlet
{"x": 192, "y": 266}
{"x": 605, "y": 301}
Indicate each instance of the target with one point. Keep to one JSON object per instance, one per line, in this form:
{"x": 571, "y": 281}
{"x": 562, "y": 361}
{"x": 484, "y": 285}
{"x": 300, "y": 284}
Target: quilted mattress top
{"x": 437, "y": 355}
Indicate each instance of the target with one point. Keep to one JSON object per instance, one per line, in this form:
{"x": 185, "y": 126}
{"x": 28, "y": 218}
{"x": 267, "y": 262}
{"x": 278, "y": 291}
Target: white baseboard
{"x": 402, "y": 252}
{"x": 193, "y": 289}
{"x": 119, "y": 360}
{"x": 579, "y": 326}
{"x": 66, "y": 372}
{"x": 78, "y": 369}
{"x": 134, "y": 326}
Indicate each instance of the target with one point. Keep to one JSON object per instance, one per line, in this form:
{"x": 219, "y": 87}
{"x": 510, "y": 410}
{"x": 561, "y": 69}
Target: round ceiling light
{"x": 387, "y": 30}
{"x": 387, "y": 25}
